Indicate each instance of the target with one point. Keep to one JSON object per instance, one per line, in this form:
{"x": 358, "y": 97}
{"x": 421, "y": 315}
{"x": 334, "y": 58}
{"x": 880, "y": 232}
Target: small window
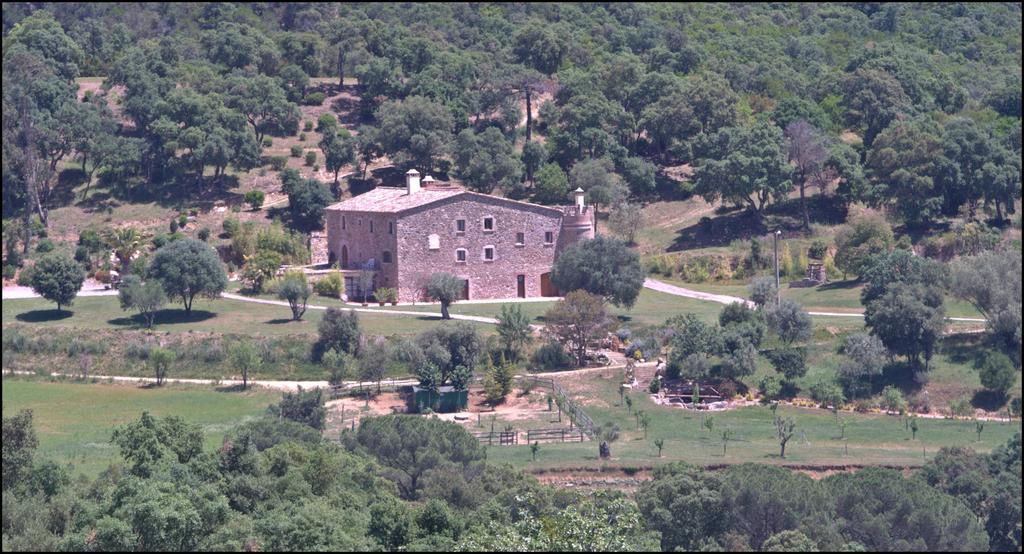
{"x": 488, "y": 224}
{"x": 391, "y": 227}
{"x": 520, "y": 239}
{"x": 549, "y": 237}
{"x": 434, "y": 242}
{"x": 489, "y": 253}
{"x": 385, "y": 257}
{"x": 343, "y": 222}
{"x": 371, "y": 225}
{"x": 460, "y": 225}
{"x": 460, "y": 255}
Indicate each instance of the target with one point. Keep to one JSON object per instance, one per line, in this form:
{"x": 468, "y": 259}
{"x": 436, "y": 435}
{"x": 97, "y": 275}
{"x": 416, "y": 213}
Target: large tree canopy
{"x": 602, "y": 266}
{"x": 188, "y": 268}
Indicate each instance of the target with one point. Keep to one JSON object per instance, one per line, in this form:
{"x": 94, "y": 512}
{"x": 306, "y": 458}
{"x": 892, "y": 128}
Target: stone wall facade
{"x": 426, "y": 240}
{"x": 363, "y": 239}
{"x": 497, "y": 278}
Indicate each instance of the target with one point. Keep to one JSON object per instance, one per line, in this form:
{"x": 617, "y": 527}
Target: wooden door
{"x": 521, "y": 286}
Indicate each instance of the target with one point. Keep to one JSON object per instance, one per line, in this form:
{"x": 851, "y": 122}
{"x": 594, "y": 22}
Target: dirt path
{"x": 667, "y": 288}
{"x": 287, "y": 386}
{"x": 476, "y": 318}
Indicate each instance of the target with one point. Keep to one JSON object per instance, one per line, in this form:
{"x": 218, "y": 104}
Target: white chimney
{"x": 412, "y": 181}
{"x": 428, "y": 181}
{"x": 579, "y": 198}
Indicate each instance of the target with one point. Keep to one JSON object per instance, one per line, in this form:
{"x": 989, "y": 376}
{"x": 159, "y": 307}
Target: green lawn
{"x": 73, "y": 421}
{"x": 651, "y": 308}
{"x": 217, "y": 316}
{"x": 872, "y": 439}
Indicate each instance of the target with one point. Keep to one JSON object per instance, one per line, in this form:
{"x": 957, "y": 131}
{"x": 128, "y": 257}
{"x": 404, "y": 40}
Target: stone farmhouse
{"x": 500, "y": 248}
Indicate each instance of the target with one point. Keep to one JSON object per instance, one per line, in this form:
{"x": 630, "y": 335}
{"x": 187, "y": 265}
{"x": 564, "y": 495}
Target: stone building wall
{"x": 362, "y": 237}
{"x": 487, "y": 279}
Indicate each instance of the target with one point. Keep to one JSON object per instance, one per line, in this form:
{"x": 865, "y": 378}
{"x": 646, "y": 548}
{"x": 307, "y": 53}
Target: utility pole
{"x": 778, "y": 293}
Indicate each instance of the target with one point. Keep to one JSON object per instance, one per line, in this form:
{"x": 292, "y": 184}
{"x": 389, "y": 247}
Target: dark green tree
{"x": 57, "y": 278}
{"x": 602, "y": 266}
{"x": 188, "y": 268}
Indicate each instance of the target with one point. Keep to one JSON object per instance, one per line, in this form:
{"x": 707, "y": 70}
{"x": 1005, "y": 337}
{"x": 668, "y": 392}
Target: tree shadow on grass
{"x": 962, "y": 348}
{"x": 232, "y": 388}
{"x": 720, "y": 231}
{"x": 989, "y": 400}
{"x": 840, "y": 285}
{"x": 41, "y": 316}
{"x": 279, "y": 321}
{"x": 164, "y": 317}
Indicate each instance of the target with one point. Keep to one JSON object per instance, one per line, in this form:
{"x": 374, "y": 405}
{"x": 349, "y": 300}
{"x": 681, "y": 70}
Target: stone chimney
{"x": 412, "y": 181}
{"x": 579, "y": 198}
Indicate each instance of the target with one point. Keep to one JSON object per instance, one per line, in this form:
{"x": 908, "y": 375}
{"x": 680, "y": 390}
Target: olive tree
{"x": 446, "y": 289}
{"x": 295, "y": 289}
{"x": 143, "y": 297}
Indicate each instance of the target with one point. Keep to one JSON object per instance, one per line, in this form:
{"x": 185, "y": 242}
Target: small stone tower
{"x": 577, "y": 223}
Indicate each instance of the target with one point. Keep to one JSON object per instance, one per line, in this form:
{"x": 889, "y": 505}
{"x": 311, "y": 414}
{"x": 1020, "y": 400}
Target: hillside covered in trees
{"x": 906, "y": 106}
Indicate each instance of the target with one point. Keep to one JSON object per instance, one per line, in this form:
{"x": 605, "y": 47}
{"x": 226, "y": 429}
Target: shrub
{"x": 655, "y": 386}
{"x": 325, "y": 122}
{"x": 960, "y": 407}
{"x": 204, "y": 234}
{"x": 277, "y": 163}
{"x": 268, "y": 142}
{"x": 103, "y": 276}
{"x": 231, "y": 226}
{"x": 727, "y": 389}
{"x": 302, "y": 137}
{"x": 9, "y": 271}
{"x": 310, "y": 158}
{"x": 386, "y": 294}
{"x": 770, "y": 386}
{"x": 254, "y": 198}
{"x": 818, "y": 249}
{"x": 333, "y": 285}
{"x": 296, "y": 151}
{"x": 550, "y": 357}
{"x": 182, "y": 220}
{"x": 44, "y": 246}
{"x": 997, "y": 372}
{"x": 25, "y": 277}
{"x": 173, "y": 226}
{"x": 307, "y": 125}
{"x": 313, "y": 99}
{"x": 82, "y": 255}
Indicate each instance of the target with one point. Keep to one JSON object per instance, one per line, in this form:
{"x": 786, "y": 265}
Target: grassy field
{"x": 217, "y": 316}
{"x": 73, "y": 421}
{"x": 870, "y": 438}
{"x": 841, "y": 296}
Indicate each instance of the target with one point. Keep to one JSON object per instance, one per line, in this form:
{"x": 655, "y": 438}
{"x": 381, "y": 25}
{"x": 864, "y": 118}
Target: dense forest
{"x": 906, "y": 106}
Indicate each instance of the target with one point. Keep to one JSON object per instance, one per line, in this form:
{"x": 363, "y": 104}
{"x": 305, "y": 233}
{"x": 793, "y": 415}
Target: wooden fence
{"x": 502, "y": 438}
{"x": 554, "y": 435}
{"x": 575, "y": 412}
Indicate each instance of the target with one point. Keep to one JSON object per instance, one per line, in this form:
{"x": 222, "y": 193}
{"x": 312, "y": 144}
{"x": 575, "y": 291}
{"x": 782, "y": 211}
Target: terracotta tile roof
{"x": 393, "y": 199}
{"x": 396, "y": 199}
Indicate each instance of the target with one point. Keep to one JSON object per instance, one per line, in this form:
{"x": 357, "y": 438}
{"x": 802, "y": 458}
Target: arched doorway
{"x": 344, "y": 257}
